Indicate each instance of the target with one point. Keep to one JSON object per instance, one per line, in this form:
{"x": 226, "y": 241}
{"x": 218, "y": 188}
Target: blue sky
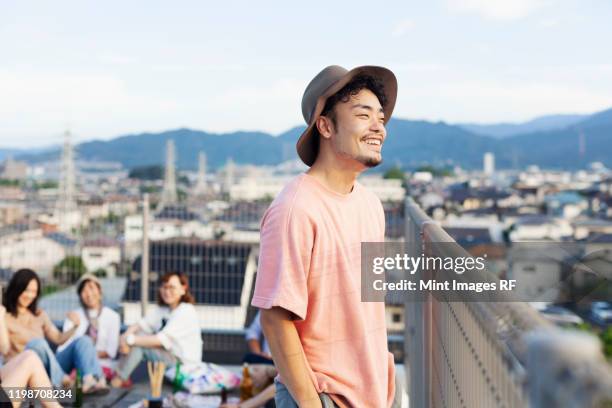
{"x": 111, "y": 68}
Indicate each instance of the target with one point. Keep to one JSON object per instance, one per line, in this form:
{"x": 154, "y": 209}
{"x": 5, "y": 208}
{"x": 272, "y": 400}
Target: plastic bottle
{"x": 178, "y": 378}
{"x": 223, "y": 395}
{"x": 78, "y": 393}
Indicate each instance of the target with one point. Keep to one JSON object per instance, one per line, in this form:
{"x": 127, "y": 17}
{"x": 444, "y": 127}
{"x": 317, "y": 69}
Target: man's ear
{"x": 325, "y": 126}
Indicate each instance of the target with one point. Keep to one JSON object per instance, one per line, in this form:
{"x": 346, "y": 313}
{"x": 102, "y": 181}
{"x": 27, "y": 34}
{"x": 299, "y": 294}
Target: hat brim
{"x": 307, "y": 146}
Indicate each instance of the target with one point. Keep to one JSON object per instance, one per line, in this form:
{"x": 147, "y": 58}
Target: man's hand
{"x": 2, "y": 312}
{"x": 288, "y": 354}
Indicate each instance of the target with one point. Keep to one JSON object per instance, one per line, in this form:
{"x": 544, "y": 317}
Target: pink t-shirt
{"x": 310, "y": 265}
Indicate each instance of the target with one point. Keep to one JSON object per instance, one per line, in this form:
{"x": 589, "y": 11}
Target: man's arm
{"x": 288, "y": 356}
{"x": 254, "y": 346}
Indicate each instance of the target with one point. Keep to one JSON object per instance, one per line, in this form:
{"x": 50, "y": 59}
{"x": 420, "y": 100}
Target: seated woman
{"x": 30, "y": 327}
{"x": 169, "y": 333}
{"x": 23, "y": 370}
{"x": 100, "y": 323}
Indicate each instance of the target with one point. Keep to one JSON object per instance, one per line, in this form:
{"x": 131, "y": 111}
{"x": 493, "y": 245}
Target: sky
{"x": 106, "y": 69}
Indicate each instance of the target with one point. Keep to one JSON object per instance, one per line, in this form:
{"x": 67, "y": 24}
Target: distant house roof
{"x": 215, "y": 269}
{"x": 244, "y": 213}
{"x": 5, "y": 274}
{"x": 62, "y": 239}
{"x": 491, "y": 194}
{"x": 176, "y": 212}
{"x": 534, "y": 219}
{"x": 460, "y": 193}
{"x": 101, "y": 242}
{"x": 592, "y": 222}
{"x": 565, "y": 197}
{"x": 483, "y": 211}
{"x": 468, "y": 237}
{"x": 13, "y": 229}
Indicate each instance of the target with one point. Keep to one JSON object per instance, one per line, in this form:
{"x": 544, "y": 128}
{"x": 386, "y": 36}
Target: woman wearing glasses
{"x": 169, "y": 333}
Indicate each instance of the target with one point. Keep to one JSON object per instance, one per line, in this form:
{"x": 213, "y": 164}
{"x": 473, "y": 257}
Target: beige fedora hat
{"x": 325, "y": 84}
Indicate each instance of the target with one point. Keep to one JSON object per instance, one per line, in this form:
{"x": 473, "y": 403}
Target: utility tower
{"x": 229, "y": 174}
{"x": 201, "y": 183}
{"x": 66, "y": 201}
{"x": 169, "y": 196}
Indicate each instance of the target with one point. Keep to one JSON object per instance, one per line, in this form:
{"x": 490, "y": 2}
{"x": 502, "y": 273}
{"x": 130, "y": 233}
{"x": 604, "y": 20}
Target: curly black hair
{"x": 349, "y": 90}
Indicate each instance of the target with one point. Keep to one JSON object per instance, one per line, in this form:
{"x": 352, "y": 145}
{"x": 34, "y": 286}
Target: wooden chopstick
{"x": 156, "y": 377}
{"x": 150, "y": 370}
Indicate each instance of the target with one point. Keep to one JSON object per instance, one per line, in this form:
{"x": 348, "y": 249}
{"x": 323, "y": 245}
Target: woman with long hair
{"x": 30, "y": 327}
{"x": 169, "y": 333}
{"x": 23, "y": 370}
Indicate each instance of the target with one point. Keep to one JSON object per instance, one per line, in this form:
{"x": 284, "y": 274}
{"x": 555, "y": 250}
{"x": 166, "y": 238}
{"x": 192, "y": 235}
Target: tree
{"x": 606, "y": 339}
{"x": 100, "y": 273}
{"x": 394, "y": 173}
{"x": 155, "y": 172}
{"x": 436, "y": 171}
{"x": 69, "y": 269}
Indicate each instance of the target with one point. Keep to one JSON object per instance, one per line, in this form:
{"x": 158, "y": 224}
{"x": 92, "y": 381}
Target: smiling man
{"x": 329, "y": 347}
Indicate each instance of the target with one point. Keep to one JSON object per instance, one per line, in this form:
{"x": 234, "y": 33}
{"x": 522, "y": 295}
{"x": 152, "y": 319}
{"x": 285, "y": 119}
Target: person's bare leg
{"x": 26, "y": 369}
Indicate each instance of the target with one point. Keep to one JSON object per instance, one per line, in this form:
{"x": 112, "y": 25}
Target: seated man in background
{"x": 259, "y": 350}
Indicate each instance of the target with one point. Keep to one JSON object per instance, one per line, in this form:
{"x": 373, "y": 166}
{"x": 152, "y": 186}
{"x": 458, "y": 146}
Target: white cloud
{"x": 116, "y": 59}
{"x": 45, "y": 103}
{"x": 273, "y": 107}
{"x": 498, "y": 9}
{"x": 38, "y": 93}
{"x": 402, "y": 27}
{"x": 550, "y": 22}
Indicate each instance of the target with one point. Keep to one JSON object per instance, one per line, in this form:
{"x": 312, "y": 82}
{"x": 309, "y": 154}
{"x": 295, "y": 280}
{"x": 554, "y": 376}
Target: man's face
{"x": 359, "y": 132}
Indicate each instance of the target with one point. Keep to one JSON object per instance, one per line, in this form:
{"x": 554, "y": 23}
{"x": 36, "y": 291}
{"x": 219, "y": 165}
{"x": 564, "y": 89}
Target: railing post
{"x": 144, "y": 264}
{"x": 418, "y": 323}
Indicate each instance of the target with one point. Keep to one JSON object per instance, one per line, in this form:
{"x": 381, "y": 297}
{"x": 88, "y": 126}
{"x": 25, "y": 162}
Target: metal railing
{"x": 476, "y": 354}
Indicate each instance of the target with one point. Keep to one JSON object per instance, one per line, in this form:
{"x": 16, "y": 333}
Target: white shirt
{"x": 109, "y": 324}
{"x": 180, "y": 335}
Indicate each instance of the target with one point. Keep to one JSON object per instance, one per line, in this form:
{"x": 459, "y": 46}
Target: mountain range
{"x": 539, "y": 124}
{"x": 557, "y": 141}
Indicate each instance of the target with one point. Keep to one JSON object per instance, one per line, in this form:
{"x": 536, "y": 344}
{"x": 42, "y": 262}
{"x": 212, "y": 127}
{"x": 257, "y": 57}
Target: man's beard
{"x": 369, "y": 161}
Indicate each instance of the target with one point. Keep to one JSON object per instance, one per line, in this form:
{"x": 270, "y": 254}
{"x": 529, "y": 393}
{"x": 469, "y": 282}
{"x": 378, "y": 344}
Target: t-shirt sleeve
{"x": 112, "y": 326}
{"x": 287, "y": 240}
{"x": 180, "y": 325}
{"x": 152, "y": 320}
